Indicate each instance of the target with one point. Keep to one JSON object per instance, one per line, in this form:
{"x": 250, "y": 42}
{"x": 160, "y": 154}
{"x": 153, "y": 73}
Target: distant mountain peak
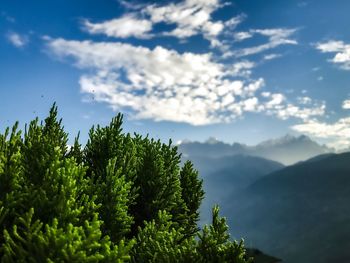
{"x": 212, "y": 140}
{"x": 304, "y": 137}
{"x": 285, "y": 140}
{"x": 288, "y": 149}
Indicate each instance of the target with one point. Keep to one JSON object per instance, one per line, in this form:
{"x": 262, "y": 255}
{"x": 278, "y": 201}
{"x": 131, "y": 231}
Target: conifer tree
{"x": 12, "y": 187}
{"x": 192, "y": 194}
{"x": 121, "y": 198}
{"x": 159, "y": 241}
{"x": 29, "y": 242}
{"x": 76, "y": 151}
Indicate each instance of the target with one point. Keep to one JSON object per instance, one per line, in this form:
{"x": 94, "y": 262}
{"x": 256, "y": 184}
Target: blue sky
{"x": 237, "y": 70}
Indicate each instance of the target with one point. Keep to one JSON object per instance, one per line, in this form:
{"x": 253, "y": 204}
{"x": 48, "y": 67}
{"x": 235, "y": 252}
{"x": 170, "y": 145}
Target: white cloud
{"x": 290, "y": 110}
{"x": 331, "y": 46}
{"x": 131, "y": 4}
{"x": 305, "y": 108}
{"x": 272, "y": 56}
{"x": 276, "y": 104}
{"x": 341, "y": 50}
{"x": 254, "y": 86}
{"x": 266, "y": 94}
{"x": 276, "y": 37}
{"x": 16, "y": 39}
{"x": 126, "y": 26}
{"x": 346, "y": 104}
{"x": 240, "y": 36}
{"x": 158, "y": 83}
{"x": 277, "y": 99}
{"x": 234, "y": 21}
{"x": 164, "y": 84}
{"x": 250, "y": 104}
{"x": 338, "y": 133}
{"x": 242, "y": 68}
{"x": 192, "y": 17}
{"x": 304, "y": 100}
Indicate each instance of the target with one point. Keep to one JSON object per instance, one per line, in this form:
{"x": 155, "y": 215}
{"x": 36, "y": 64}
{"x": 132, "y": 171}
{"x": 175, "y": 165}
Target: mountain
{"x": 300, "y": 213}
{"x": 318, "y": 158}
{"x": 211, "y": 148}
{"x": 260, "y": 257}
{"x": 226, "y": 175}
{"x": 287, "y": 150}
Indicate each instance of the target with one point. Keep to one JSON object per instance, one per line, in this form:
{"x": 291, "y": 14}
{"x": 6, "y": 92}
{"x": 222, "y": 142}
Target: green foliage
{"x": 214, "y": 244}
{"x": 159, "y": 242}
{"x": 121, "y": 198}
{"x": 192, "y": 194}
{"x": 113, "y": 194}
{"x": 12, "y": 193}
{"x": 76, "y": 151}
{"x": 157, "y": 181}
{"x": 28, "y": 242}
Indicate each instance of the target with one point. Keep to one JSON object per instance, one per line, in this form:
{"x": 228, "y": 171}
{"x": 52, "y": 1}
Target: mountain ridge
{"x": 228, "y": 174}
{"x": 287, "y": 149}
{"x": 284, "y": 212}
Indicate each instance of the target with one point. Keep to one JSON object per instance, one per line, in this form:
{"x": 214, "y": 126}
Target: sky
{"x": 239, "y": 71}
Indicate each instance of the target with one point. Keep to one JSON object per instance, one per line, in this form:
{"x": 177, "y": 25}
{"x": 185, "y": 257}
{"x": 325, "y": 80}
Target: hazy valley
{"x": 296, "y": 209}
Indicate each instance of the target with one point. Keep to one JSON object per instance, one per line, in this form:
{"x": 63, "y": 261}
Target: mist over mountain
{"x": 224, "y": 176}
{"x": 287, "y": 149}
{"x": 280, "y": 209}
{"x": 300, "y": 213}
{"x": 211, "y": 148}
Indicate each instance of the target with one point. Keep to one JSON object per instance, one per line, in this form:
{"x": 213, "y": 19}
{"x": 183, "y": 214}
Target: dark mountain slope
{"x": 300, "y": 213}
{"x": 260, "y": 257}
{"x": 319, "y": 157}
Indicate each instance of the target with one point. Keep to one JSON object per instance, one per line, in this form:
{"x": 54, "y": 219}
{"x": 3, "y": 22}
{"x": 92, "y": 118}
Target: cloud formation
{"x": 16, "y": 39}
{"x": 126, "y": 26}
{"x": 272, "y": 56}
{"x": 160, "y": 84}
{"x": 280, "y": 107}
{"x": 338, "y": 133}
{"x": 341, "y": 51}
{"x": 191, "y": 17}
{"x": 276, "y": 37}
{"x": 164, "y": 84}
{"x": 346, "y": 104}
{"x": 240, "y": 36}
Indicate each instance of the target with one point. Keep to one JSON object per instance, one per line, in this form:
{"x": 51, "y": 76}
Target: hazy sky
{"x": 242, "y": 71}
